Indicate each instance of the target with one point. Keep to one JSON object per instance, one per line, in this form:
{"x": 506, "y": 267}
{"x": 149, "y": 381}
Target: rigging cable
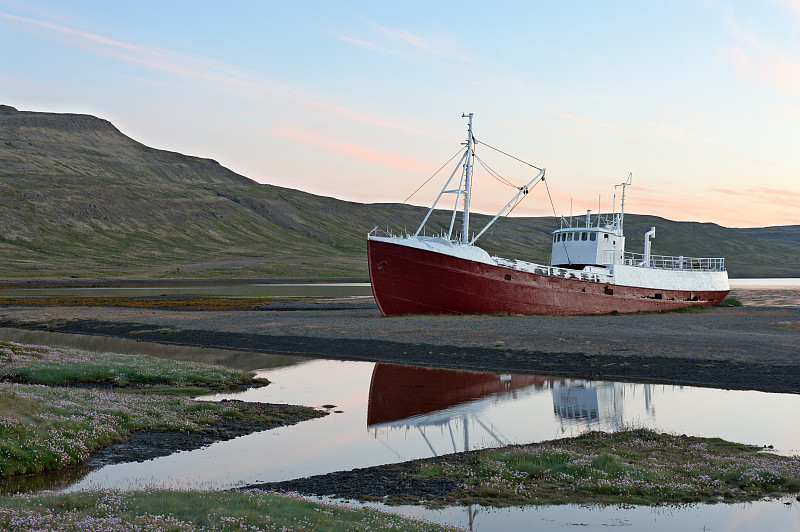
{"x": 431, "y": 177}
{"x": 495, "y": 174}
{"x": 556, "y": 216}
{"x": 519, "y": 200}
{"x": 508, "y": 155}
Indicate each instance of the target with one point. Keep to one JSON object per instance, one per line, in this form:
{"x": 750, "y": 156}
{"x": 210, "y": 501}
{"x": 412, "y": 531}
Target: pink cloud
{"x": 774, "y": 196}
{"x": 727, "y": 207}
{"x": 791, "y": 5}
{"x": 763, "y": 61}
{"x": 354, "y": 151}
{"x": 612, "y": 128}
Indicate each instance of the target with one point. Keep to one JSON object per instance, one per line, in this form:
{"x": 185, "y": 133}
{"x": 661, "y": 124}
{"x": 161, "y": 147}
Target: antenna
{"x": 622, "y": 206}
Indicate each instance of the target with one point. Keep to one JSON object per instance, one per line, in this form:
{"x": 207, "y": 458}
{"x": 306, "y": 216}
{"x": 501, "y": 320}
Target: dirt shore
{"x": 141, "y": 446}
{"x": 738, "y": 348}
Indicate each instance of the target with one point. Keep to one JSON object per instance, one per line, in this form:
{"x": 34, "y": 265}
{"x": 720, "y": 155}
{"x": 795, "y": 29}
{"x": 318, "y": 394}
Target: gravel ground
{"x": 391, "y": 483}
{"x": 740, "y": 348}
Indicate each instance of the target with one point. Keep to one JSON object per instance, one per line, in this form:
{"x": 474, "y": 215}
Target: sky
{"x": 363, "y": 101}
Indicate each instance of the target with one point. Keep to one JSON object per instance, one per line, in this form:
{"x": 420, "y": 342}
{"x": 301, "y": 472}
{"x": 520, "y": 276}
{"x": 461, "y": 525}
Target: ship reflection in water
{"x": 594, "y": 405}
{"x": 388, "y": 414}
{"x": 413, "y": 398}
{"x": 465, "y": 405}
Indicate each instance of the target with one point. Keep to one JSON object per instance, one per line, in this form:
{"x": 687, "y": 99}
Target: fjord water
{"x": 767, "y": 292}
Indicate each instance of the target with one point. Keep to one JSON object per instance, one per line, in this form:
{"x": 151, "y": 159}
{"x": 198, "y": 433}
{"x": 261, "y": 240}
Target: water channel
{"x": 387, "y": 413}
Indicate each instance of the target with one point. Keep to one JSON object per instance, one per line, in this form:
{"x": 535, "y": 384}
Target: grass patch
{"x": 631, "y": 467}
{"x": 731, "y": 301}
{"x": 177, "y": 511}
{"x": 48, "y": 428}
{"x": 37, "y": 364}
{"x": 61, "y": 404}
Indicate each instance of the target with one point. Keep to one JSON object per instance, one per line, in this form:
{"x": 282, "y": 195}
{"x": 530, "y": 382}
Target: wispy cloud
{"x": 197, "y": 69}
{"x": 792, "y": 5}
{"x": 762, "y": 59}
{"x": 370, "y": 45}
{"x": 406, "y": 43}
{"x": 774, "y": 196}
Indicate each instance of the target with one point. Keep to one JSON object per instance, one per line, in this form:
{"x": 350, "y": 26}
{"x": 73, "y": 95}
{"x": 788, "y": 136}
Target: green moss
{"x": 630, "y": 467}
{"x": 179, "y": 511}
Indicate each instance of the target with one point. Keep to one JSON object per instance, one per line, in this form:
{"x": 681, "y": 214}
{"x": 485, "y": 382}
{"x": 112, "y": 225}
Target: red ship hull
{"x": 400, "y": 392}
{"x": 407, "y": 280}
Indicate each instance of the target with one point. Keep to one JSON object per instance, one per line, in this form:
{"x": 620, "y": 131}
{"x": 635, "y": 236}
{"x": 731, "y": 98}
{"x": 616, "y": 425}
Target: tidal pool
{"x": 385, "y": 413}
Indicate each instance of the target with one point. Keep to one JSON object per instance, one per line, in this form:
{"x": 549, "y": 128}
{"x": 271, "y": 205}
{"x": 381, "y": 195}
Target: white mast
{"x": 467, "y": 180}
{"x": 622, "y": 206}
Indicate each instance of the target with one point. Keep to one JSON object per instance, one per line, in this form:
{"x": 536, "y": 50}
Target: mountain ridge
{"x": 79, "y": 199}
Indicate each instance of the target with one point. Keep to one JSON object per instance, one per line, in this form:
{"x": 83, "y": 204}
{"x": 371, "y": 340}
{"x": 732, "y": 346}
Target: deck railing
{"x": 664, "y": 262}
{"x": 554, "y": 271}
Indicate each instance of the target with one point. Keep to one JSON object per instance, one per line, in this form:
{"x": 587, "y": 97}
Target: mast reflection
{"x": 414, "y": 398}
{"x": 443, "y": 406}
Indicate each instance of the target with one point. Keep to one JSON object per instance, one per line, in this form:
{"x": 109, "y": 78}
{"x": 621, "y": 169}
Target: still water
{"x": 767, "y": 292}
{"x": 388, "y": 413}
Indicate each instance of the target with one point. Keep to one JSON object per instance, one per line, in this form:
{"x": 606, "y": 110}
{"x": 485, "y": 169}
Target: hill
{"x": 784, "y": 235}
{"x": 79, "y": 199}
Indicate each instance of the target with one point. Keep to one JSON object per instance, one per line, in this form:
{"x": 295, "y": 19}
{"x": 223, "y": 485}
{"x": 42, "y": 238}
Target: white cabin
{"x": 595, "y": 245}
{"x": 596, "y": 240}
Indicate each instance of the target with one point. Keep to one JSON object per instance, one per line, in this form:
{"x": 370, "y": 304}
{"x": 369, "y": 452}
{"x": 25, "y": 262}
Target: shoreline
{"x": 157, "y": 283}
{"x": 728, "y": 348}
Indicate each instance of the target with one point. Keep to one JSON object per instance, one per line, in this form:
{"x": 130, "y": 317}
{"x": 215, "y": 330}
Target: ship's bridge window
{"x": 569, "y": 236}
{"x": 592, "y": 236}
{"x": 584, "y": 236}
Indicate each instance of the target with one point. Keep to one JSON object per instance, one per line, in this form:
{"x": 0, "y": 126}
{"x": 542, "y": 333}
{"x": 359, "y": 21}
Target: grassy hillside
{"x": 785, "y": 235}
{"x": 78, "y": 199}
